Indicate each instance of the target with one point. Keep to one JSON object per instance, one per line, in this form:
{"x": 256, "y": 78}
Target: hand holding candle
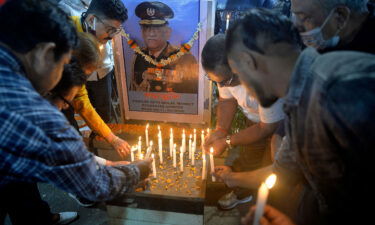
{"x": 262, "y": 197}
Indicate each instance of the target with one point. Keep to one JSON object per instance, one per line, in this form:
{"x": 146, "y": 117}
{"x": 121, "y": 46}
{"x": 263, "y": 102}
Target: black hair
{"x": 213, "y": 53}
{"x": 271, "y": 26}
{"x": 72, "y": 76}
{"x": 26, "y": 23}
{"x": 109, "y": 9}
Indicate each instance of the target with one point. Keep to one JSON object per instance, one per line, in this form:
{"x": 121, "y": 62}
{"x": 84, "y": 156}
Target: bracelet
{"x": 222, "y": 130}
{"x": 227, "y": 140}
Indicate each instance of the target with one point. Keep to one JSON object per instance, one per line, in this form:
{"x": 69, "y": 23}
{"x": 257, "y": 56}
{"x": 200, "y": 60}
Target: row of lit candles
{"x": 262, "y": 191}
{"x": 173, "y": 150}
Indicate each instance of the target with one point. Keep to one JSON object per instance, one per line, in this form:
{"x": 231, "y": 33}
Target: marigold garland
{"x": 185, "y": 48}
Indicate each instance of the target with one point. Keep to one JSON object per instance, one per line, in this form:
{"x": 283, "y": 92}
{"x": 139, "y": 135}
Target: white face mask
{"x": 314, "y": 38}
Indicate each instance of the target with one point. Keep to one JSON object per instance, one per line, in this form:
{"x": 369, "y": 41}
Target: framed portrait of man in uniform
{"x": 157, "y": 60}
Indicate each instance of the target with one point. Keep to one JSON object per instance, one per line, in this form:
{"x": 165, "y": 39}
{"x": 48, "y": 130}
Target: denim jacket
{"x": 330, "y": 109}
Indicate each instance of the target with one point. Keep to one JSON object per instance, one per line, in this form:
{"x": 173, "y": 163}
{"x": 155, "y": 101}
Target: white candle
{"x": 212, "y": 163}
{"x": 153, "y": 166}
{"x": 132, "y": 154}
{"x": 202, "y": 139}
{"x": 160, "y": 148}
{"x": 193, "y": 154}
{"x": 204, "y": 166}
{"x": 190, "y": 145}
{"x": 183, "y": 141}
{"x": 139, "y": 145}
{"x": 171, "y": 143}
{"x": 181, "y": 160}
{"x": 195, "y": 138}
{"x": 149, "y": 150}
{"x": 262, "y": 197}
{"x": 174, "y": 156}
{"x": 227, "y": 24}
{"x": 146, "y": 131}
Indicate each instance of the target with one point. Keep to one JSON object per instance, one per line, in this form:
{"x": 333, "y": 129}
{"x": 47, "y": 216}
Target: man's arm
{"x": 49, "y": 150}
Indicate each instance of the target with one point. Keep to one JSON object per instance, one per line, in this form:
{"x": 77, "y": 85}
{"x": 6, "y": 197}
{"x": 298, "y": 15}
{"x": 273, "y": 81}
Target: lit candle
{"x": 181, "y": 160}
{"x": 193, "y": 154}
{"x": 190, "y": 145}
{"x": 139, "y": 145}
{"x": 202, "y": 139}
{"x": 146, "y": 131}
{"x": 149, "y": 150}
{"x": 227, "y": 25}
{"x": 183, "y": 141}
{"x": 195, "y": 138}
{"x": 212, "y": 163}
{"x": 160, "y": 147}
{"x": 204, "y": 166}
{"x": 174, "y": 156}
{"x": 171, "y": 143}
{"x": 153, "y": 166}
{"x": 141, "y": 156}
{"x": 262, "y": 197}
{"x": 132, "y": 153}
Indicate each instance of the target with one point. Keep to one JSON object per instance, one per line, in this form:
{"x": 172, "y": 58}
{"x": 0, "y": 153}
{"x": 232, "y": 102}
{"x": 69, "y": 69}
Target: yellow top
{"x": 82, "y": 104}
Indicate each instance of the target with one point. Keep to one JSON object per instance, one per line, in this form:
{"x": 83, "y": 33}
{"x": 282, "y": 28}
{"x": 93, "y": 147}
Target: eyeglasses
{"x": 224, "y": 83}
{"x": 111, "y": 30}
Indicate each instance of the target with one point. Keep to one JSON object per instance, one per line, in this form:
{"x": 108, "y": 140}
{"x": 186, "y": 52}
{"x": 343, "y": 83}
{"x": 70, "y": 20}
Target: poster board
{"x": 176, "y": 100}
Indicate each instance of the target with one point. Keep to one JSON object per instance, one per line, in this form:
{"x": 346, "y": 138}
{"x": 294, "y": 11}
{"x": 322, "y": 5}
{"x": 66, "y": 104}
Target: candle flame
{"x": 203, "y": 132}
{"x": 147, "y": 126}
{"x": 191, "y": 136}
{"x": 101, "y": 47}
{"x": 141, "y": 156}
{"x": 228, "y": 16}
{"x": 140, "y": 138}
{"x": 171, "y": 130}
{"x": 151, "y": 143}
{"x": 211, "y": 150}
{"x": 152, "y": 155}
{"x": 270, "y": 181}
{"x": 195, "y": 131}
{"x": 159, "y": 127}
{"x": 208, "y": 130}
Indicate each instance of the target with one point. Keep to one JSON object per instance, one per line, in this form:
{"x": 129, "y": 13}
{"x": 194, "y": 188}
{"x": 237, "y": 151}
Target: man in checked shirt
{"x": 36, "y": 142}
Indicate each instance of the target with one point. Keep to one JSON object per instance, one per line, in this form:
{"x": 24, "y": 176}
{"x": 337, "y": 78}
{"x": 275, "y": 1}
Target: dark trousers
{"x": 100, "y": 95}
{"x": 251, "y": 157}
{"x": 24, "y": 205}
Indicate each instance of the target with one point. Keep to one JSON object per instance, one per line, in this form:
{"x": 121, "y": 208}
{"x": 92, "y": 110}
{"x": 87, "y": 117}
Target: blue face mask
{"x": 314, "y": 38}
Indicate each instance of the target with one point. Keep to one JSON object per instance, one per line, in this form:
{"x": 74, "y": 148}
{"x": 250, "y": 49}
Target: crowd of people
{"x": 305, "y": 83}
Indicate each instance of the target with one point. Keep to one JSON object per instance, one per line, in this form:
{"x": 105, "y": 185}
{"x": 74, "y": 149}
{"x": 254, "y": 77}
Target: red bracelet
{"x": 222, "y": 130}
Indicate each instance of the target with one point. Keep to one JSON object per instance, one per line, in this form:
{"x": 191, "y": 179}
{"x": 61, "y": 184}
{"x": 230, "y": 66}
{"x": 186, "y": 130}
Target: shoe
{"x": 81, "y": 201}
{"x": 67, "y": 217}
{"x": 230, "y": 200}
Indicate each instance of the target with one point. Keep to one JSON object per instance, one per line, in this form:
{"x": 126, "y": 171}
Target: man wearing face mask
{"x": 103, "y": 19}
{"x": 330, "y": 25}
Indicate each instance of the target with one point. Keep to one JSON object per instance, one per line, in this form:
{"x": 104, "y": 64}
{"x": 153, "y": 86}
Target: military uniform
{"x": 180, "y": 76}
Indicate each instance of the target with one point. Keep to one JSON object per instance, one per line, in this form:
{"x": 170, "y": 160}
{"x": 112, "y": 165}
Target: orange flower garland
{"x": 185, "y": 48}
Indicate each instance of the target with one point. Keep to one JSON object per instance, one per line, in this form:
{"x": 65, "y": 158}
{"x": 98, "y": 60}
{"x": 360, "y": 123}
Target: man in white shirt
{"x": 99, "y": 83}
{"x": 262, "y": 122}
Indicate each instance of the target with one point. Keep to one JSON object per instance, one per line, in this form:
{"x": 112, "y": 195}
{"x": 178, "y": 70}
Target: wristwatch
{"x": 227, "y": 140}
